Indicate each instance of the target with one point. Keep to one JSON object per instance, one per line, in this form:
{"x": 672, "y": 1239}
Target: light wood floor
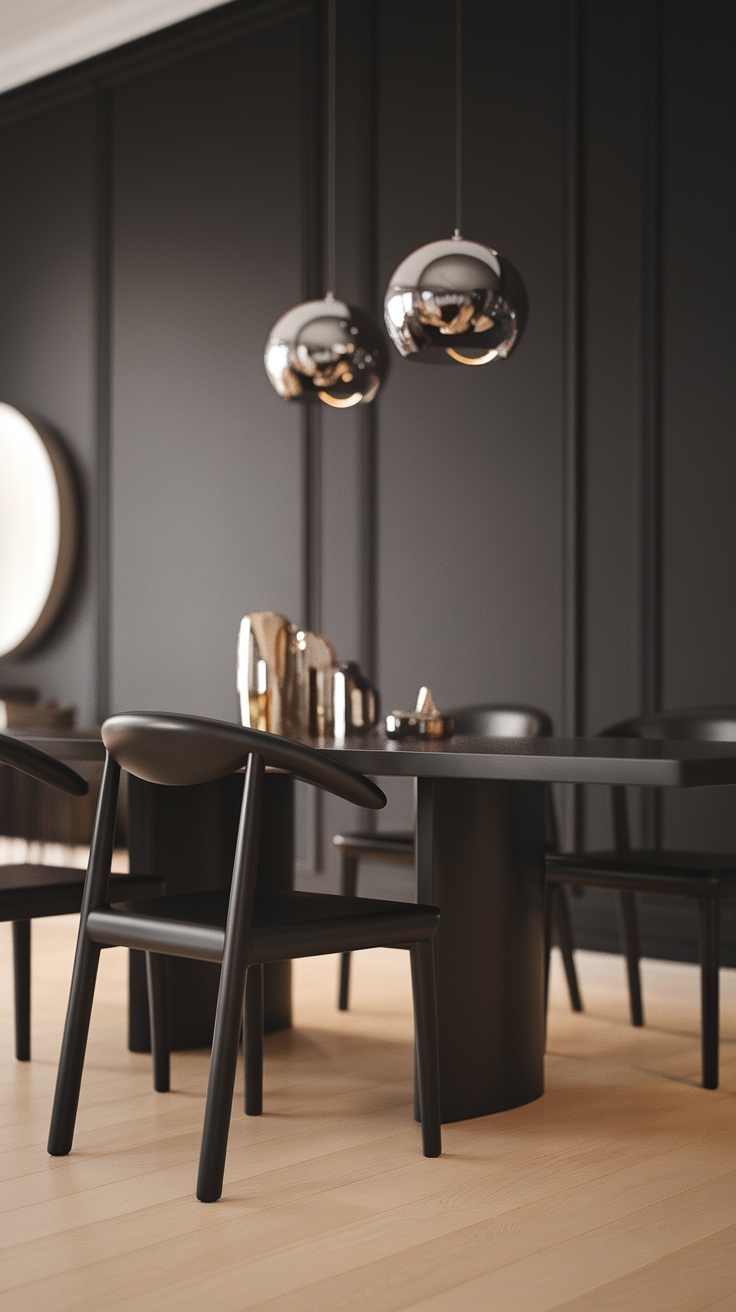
{"x": 617, "y": 1190}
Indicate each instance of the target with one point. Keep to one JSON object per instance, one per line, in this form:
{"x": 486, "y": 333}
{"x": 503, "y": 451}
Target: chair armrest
{"x": 39, "y": 765}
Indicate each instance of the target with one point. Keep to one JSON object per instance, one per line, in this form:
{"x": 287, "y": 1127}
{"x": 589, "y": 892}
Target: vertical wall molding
{"x": 313, "y": 269}
{"x": 100, "y": 535}
{"x": 368, "y": 467}
{"x": 651, "y": 490}
{"x": 313, "y": 264}
{"x": 312, "y": 512}
{"x": 573, "y": 628}
{"x": 651, "y": 360}
{"x": 368, "y": 545}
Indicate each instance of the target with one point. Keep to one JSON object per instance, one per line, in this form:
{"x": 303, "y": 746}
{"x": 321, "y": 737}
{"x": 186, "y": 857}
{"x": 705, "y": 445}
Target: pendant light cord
{"x": 458, "y": 117}
{"x": 331, "y": 215}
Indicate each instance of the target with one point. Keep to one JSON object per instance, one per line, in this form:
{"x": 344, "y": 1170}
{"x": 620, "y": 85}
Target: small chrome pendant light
{"x": 326, "y": 350}
{"x": 455, "y": 301}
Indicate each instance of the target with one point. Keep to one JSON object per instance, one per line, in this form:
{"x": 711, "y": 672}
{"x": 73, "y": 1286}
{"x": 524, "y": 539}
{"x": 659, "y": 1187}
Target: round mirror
{"x": 38, "y": 530}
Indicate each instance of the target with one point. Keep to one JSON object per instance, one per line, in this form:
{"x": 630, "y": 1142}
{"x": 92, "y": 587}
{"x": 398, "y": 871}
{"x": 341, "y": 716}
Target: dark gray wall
{"x": 206, "y": 515}
{"x": 470, "y": 462}
{"x": 554, "y": 529}
{"x": 47, "y": 348}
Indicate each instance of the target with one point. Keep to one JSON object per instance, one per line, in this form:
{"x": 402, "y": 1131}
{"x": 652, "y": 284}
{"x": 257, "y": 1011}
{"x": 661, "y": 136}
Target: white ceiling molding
{"x": 39, "y": 36}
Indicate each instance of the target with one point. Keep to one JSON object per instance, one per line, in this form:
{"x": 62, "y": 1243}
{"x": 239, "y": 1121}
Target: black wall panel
{"x": 470, "y": 467}
{"x": 699, "y": 532}
{"x": 612, "y": 272}
{"x": 47, "y": 348}
{"x": 206, "y": 467}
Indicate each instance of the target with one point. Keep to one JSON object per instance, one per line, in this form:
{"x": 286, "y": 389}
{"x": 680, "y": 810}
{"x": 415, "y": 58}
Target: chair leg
{"x": 22, "y": 988}
{"x": 220, "y": 1085}
{"x": 253, "y": 1041}
{"x": 710, "y": 953}
{"x": 73, "y": 1047}
{"x": 157, "y": 978}
{"x": 565, "y": 940}
{"x": 424, "y": 989}
{"x": 348, "y": 886}
{"x": 629, "y": 930}
{"x": 230, "y": 995}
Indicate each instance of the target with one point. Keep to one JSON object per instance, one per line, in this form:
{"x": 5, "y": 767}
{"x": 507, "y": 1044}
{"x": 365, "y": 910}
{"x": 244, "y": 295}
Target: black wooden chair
{"x": 704, "y": 876}
{"x": 242, "y": 928}
{"x": 28, "y": 891}
{"x": 396, "y": 847}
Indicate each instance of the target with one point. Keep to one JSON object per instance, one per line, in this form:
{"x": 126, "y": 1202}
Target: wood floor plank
{"x": 506, "y": 1254}
{"x": 694, "y": 1278}
{"x": 553, "y": 1277}
{"x": 614, "y": 1186}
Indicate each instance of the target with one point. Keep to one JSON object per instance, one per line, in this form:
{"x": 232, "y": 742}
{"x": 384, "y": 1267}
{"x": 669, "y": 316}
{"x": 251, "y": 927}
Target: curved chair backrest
{"x": 182, "y": 750}
{"x": 492, "y": 720}
{"x": 39, "y": 765}
{"x": 495, "y": 721}
{"x": 705, "y": 724}
{"x": 186, "y": 749}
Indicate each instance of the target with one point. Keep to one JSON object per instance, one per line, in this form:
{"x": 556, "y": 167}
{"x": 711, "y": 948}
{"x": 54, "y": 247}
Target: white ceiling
{"x": 39, "y": 36}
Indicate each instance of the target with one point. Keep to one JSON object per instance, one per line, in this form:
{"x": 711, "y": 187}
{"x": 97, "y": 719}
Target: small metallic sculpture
{"x": 425, "y": 721}
{"x": 263, "y": 661}
{"x": 290, "y": 683}
{"x": 313, "y": 664}
{"x": 354, "y": 701}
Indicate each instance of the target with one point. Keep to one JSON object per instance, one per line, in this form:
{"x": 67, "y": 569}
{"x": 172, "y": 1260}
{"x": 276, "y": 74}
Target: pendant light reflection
{"x": 455, "y": 301}
{"x": 326, "y": 351}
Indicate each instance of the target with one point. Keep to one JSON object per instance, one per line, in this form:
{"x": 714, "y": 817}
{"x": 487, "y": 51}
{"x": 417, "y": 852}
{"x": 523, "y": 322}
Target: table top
{"x": 652, "y": 763}
{"x": 547, "y": 760}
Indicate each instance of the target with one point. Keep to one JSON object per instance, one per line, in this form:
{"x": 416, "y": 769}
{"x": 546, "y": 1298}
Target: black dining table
{"x": 480, "y": 851}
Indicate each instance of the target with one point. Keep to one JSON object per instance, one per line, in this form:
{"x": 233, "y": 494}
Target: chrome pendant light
{"x": 455, "y": 301}
{"x": 326, "y": 350}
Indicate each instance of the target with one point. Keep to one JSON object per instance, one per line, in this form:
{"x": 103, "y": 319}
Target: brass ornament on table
{"x": 263, "y": 647}
{"x": 354, "y": 701}
{"x": 314, "y": 660}
{"x": 425, "y": 721}
{"x": 290, "y": 683}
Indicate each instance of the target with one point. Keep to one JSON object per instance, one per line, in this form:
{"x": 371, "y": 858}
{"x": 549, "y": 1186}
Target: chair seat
{"x": 285, "y": 925}
{"x": 29, "y": 890}
{"x": 388, "y": 845}
{"x": 692, "y": 874}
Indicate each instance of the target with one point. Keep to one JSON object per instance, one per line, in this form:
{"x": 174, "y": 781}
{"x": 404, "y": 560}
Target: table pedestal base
{"x": 480, "y": 858}
{"x": 186, "y": 836}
